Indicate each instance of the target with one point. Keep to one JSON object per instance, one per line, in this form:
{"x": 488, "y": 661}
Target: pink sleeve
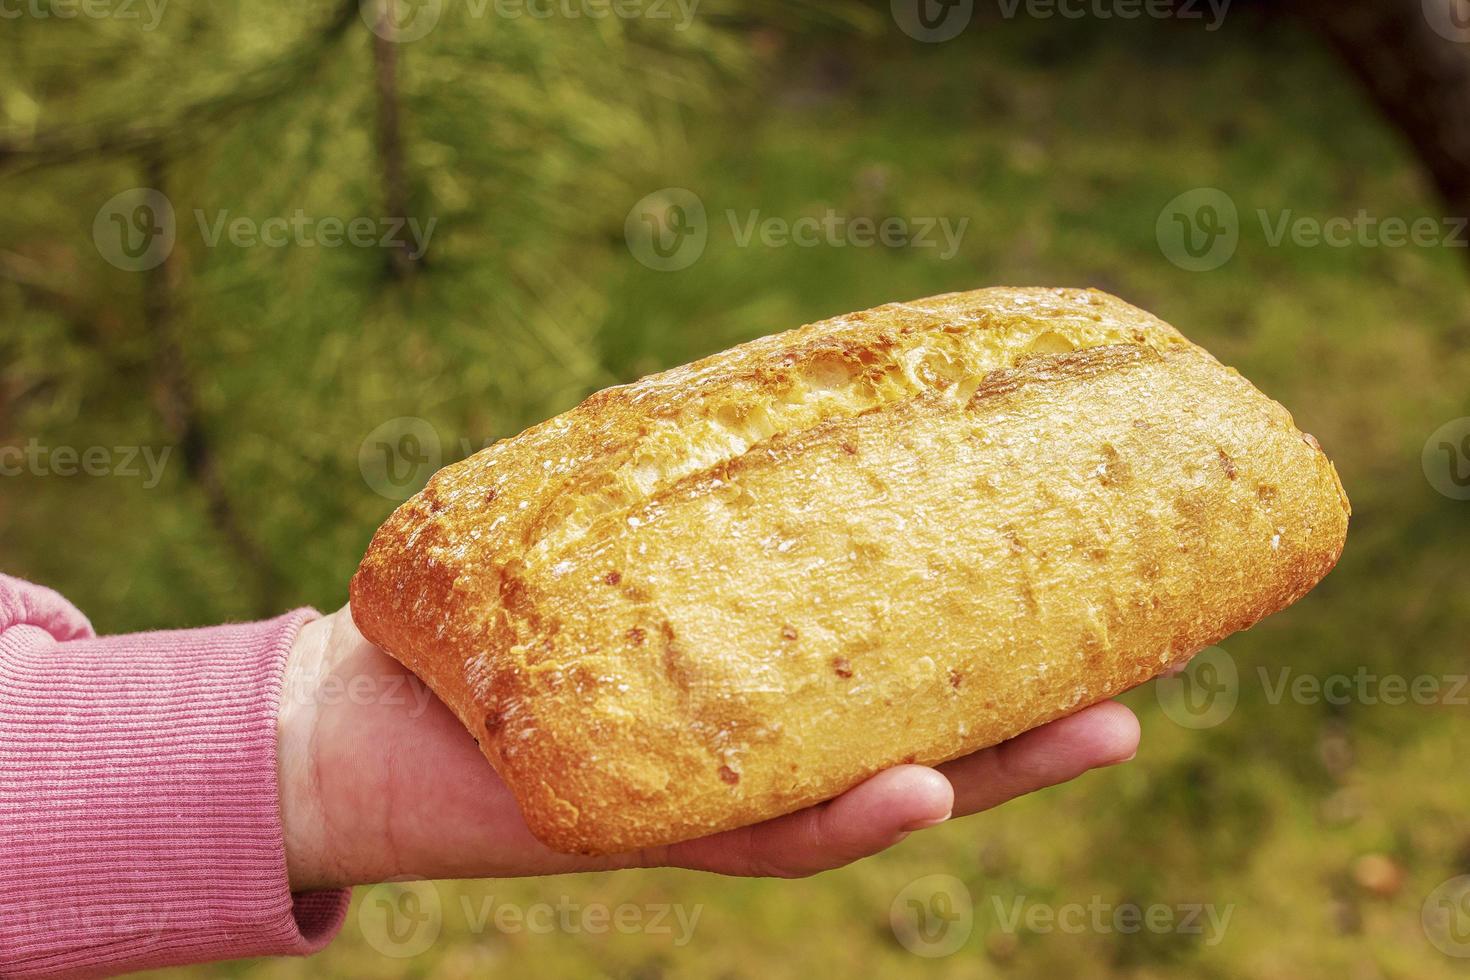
{"x": 139, "y": 819}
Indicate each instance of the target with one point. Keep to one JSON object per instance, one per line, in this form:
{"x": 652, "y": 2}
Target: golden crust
{"x": 738, "y": 587}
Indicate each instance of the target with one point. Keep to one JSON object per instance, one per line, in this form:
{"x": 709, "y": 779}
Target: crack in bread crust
{"x": 856, "y": 364}
{"x": 1032, "y": 369}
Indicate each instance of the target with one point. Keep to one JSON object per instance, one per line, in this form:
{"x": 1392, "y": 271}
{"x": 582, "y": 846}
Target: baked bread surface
{"x": 741, "y": 586}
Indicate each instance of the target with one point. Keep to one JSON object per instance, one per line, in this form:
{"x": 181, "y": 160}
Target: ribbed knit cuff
{"x": 139, "y": 814}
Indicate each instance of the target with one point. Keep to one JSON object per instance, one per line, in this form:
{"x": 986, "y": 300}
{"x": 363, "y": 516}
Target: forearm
{"x": 139, "y": 804}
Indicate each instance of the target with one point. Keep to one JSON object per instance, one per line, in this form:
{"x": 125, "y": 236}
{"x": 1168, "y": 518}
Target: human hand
{"x": 379, "y": 780}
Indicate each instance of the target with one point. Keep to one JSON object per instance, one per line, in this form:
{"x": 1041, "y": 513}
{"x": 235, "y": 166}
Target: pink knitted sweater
{"x": 139, "y": 819}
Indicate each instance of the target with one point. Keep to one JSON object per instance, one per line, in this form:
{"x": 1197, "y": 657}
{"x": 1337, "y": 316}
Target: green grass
{"x": 1060, "y": 143}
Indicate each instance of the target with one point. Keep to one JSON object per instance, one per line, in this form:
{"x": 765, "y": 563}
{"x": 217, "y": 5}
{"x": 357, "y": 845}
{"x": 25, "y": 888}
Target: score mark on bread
{"x": 739, "y": 587}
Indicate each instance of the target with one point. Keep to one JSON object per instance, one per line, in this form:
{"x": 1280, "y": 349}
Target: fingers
{"x": 868, "y": 818}
{"x": 880, "y": 812}
{"x": 1102, "y": 735}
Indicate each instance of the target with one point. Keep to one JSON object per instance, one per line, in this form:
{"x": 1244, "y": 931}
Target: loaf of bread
{"x": 741, "y": 586}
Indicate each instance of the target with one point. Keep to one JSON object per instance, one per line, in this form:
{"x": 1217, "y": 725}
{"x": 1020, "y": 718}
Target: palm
{"x": 389, "y": 784}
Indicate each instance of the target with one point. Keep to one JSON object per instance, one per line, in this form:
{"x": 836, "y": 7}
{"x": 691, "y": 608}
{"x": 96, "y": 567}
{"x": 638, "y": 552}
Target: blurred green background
{"x": 263, "y": 370}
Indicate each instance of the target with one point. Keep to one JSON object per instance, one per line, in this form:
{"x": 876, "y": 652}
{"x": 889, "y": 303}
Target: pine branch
{"x": 189, "y": 125}
{"x": 179, "y": 407}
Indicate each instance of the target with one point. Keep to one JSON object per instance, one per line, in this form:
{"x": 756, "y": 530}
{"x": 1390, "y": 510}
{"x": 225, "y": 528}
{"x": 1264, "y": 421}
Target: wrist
{"x": 303, "y": 821}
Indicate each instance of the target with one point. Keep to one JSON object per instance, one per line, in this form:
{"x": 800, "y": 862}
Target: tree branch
{"x": 1418, "y": 77}
{"x": 390, "y": 137}
{"x": 189, "y": 124}
{"x": 179, "y": 408}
